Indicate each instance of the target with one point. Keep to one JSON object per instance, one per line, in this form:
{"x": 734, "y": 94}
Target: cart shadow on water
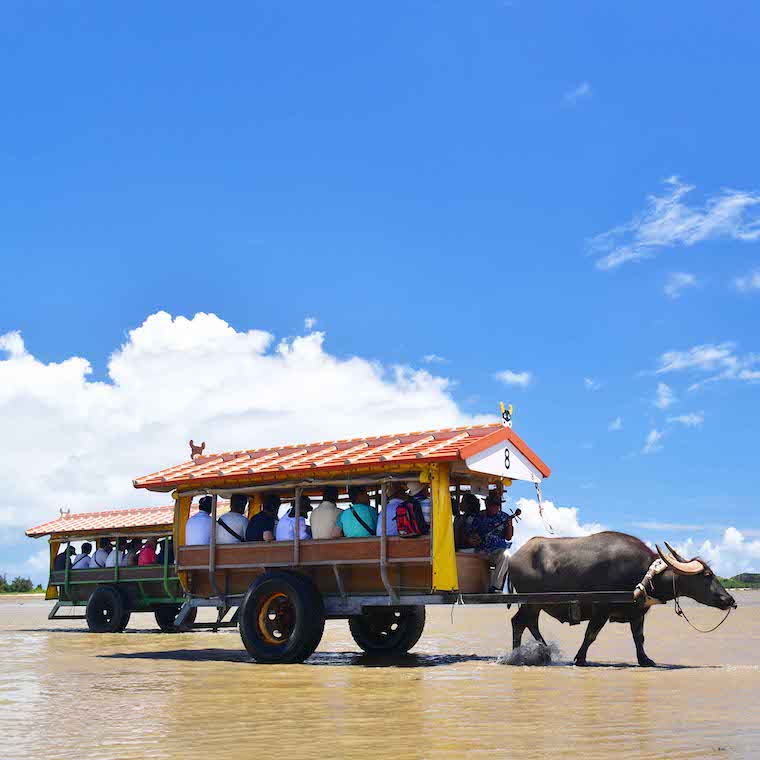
{"x": 333, "y": 659}
{"x": 358, "y": 659}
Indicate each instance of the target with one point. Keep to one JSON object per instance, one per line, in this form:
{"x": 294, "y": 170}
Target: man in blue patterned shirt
{"x": 495, "y": 530}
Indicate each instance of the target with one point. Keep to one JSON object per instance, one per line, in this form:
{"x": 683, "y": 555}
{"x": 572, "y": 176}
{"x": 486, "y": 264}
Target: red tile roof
{"x": 152, "y": 518}
{"x": 445, "y": 445}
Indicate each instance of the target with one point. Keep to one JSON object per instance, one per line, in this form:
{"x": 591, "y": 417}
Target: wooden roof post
{"x": 212, "y": 548}
{"x": 444, "y": 555}
{"x": 297, "y": 530}
{"x": 181, "y": 515}
{"x": 52, "y": 591}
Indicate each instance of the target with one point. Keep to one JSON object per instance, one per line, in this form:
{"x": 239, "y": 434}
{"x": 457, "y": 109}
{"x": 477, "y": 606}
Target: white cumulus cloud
{"x": 730, "y": 555}
{"x": 692, "y": 419}
{"x": 309, "y": 323}
{"x": 748, "y": 282}
{"x": 678, "y": 281}
{"x": 578, "y": 93}
{"x": 664, "y": 396}
{"x": 719, "y": 361}
{"x": 69, "y": 441}
{"x": 510, "y": 377}
{"x": 668, "y": 221}
{"x": 434, "y": 359}
{"x": 652, "y": 443}
{"x": 13, "y": 344}
{"x": 590, "y": 384}
{"x": 564, "y": 521}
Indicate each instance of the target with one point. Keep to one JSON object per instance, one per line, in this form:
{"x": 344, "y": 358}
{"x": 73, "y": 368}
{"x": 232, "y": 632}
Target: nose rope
{"x": 681, "y": 613}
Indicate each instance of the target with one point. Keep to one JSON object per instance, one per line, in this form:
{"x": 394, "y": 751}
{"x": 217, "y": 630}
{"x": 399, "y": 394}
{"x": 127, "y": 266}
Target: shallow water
{"x": 66, "y": 693}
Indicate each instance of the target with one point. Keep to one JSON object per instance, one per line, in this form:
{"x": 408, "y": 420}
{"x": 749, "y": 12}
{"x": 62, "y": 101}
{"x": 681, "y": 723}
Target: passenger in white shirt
{"x": 198, "y": 528}
{"x": 325, "y": 517}
{"x": 118, "y": 556}
{"x": 100, "y": 557}
{"x": 82, "y": 560}
{"x": 398, "y": 496}
{"x": 286, "y": 527}
{"x": 421, "y": 492}
{"x": 231, "y": 526}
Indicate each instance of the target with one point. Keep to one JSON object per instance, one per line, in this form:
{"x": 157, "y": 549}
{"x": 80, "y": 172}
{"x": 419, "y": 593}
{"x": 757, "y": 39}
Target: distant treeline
{"x": 743, "y": 580}
{"x": 18, "y": 585}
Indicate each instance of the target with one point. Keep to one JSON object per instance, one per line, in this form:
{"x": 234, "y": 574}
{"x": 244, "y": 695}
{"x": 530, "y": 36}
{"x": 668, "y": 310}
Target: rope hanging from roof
{"x": 541, "y": 509}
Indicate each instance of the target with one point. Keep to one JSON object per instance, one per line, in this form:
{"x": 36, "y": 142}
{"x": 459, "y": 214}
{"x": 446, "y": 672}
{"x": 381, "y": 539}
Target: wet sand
{"x": 67, "y": 693}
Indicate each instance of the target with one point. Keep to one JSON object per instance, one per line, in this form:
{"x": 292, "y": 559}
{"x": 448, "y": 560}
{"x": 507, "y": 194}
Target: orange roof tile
{"x": 444, "y": 445}
{"x": 152, "y": 518}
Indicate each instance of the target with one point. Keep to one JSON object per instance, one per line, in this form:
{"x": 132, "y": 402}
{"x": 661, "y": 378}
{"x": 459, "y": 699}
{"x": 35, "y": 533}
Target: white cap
{"x": 415, "y": 488}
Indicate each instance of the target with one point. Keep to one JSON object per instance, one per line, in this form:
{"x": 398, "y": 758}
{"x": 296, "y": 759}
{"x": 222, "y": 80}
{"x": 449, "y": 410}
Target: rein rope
{"x": 681, "y": 613}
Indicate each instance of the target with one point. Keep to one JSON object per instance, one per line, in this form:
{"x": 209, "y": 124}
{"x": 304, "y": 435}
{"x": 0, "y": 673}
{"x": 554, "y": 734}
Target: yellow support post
{"x": 254, "y": 504}
{"x": 52, "y": 592}
{"x": 181, "y": 516}
{"x": 444, "y": 554}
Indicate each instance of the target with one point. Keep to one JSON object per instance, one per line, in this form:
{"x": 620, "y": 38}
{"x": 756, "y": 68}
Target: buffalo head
{"x": 696, "y": 580}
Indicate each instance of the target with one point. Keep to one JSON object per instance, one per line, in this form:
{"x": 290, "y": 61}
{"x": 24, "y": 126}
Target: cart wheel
{"x": 124, "y": 622}
{"x": 165, "y": 615}
{"x": 106, "y": 611}
{"x": 282, "y": 618}
{"x": 388, "y": 630}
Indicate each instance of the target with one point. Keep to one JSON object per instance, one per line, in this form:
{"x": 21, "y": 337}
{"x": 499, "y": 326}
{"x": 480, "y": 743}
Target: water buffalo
{"x": 605, "y": 561}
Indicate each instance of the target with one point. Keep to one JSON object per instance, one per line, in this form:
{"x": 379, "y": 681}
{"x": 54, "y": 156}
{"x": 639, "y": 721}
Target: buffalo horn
{"x": 674, "y": 553}
{"x": 682, "y": 568}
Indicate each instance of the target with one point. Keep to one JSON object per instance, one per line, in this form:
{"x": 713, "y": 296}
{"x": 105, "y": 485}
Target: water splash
{"x": 532, "y": 653}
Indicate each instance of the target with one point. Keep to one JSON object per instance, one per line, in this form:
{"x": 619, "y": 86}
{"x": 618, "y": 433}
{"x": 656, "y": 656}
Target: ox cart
{"x": 281, "y": 593}
{"x": 106, "y": 597}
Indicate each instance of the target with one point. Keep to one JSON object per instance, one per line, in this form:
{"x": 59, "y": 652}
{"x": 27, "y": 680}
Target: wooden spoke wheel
{"x": 388, "y": 630}
{"x": 165, "y": 615}
{"x": 282, "y": 618}
{"x": 106, "y": 611}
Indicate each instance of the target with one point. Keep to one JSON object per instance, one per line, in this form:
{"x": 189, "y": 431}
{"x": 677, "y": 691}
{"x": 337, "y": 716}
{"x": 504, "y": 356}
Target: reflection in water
{"x": 65, "y": 692}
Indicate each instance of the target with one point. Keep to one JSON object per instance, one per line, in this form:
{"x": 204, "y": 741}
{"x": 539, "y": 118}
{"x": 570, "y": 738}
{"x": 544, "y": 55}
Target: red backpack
{"x": 410, "y": 522}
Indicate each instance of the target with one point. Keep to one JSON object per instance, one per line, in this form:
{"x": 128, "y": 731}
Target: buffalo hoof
{"x": 581, "y": 663}
{"x": 645, "y": 662}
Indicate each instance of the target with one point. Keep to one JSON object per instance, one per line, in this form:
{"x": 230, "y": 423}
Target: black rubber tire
{"x": 106, "y": 611}
{"x": 165, "y": 615}
{"x": 282, "y": 618}
{"x": 388, "y": 630}
{"x": 124, "y": 622}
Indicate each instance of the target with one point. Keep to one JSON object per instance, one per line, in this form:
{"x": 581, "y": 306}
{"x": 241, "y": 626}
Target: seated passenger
{"x": 101, "y": 555}
{"x": 495, "y": 529}
{"x": 262, "y": 525}
{"x": 421, "y": 492}
{"x": 198, "y": 527}
{"x": 147, "y": 555}
{"x": 131, "y": 550}
{"x": 117, "y": 555}
{"x": 398, "y": 496}
{"x": 167, "y": 552}
{"x": 231, "y": 527}
{"x": 59, "y": 563}
{"x": 359, "y": 520}
{"x": 82, "y": 560}
{"x": 286, "y": 527}
{"x": 466, "y": 537}
{"x": 325, "y": 516}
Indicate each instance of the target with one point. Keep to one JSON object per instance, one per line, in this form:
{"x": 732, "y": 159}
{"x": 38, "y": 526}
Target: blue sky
{"x": 423, "y": 179}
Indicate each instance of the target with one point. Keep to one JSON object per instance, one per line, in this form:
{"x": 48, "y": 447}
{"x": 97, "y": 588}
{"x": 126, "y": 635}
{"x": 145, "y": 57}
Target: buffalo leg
{"x": 525, "y": 617}
{"x": 597, "y": 622}
{"x": 519, "y": 624}
{"x": 637, "y": 629}
{"x": 533, "y": 624}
